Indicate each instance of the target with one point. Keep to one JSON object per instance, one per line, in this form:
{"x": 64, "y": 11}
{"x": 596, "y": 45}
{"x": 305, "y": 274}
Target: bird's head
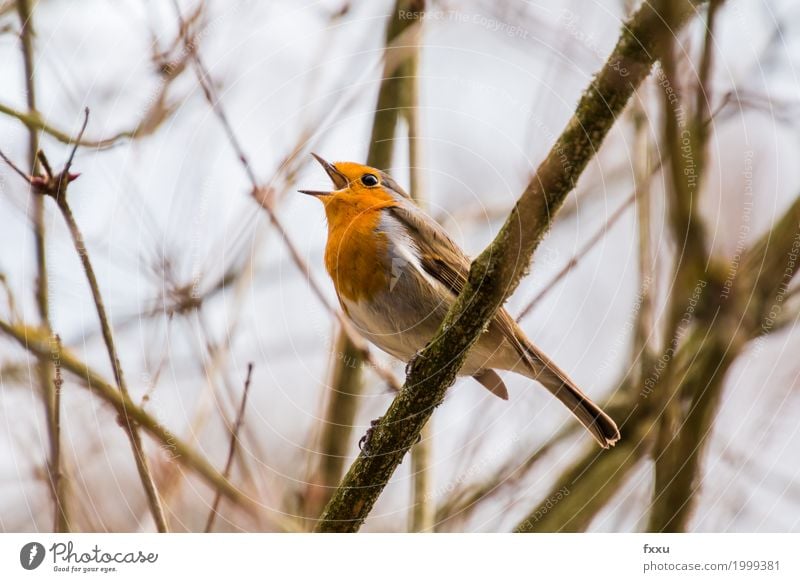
{"x": 357, "y": 189}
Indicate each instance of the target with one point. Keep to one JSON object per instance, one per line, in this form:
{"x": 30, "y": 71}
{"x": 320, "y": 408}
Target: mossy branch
{"x": 497, "y": 271}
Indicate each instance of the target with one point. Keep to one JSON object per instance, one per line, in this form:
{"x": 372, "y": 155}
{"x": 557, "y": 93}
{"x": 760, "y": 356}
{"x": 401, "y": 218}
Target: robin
{"x": 397, "y": 272}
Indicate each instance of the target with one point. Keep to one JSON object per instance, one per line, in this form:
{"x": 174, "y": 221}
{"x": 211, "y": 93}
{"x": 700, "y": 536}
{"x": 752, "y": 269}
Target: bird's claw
{"x": 364, "y": 441}
{"x": 412, "y": 360}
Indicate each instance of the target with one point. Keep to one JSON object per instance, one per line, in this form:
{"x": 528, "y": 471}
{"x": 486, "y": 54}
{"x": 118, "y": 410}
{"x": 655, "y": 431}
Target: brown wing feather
{"x": 443, "y": 259}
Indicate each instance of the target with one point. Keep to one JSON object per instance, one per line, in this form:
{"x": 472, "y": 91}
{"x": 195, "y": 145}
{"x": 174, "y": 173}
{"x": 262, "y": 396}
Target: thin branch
{"x": 142, "y": 464}
{"x": 498, "y": 270}
{"x": 644, "y": 326}
{"x": 14, "y": 167}
{"x": 44, "y": 367}
{"x": 702, "y": 105}
{"x": 56, "y": 187}
{"x": 62, "y": 517}
{"x": 336, "y": 426}
{"x": 152, "y": 118}
{"x": 582, "y": 252}
{"x": 423, "y": 510}
{"x": 74, "y": 150}
{"x": 38, "y": 344}
{"x": 460, "y": 504}
{"x": 35, "y": 123}
{"x": 232, "y": 449}
{"x": 264, "y": 196}
{"x": 12, "y": 303}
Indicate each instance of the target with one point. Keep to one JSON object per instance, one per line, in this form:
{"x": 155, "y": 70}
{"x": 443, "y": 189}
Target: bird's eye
{"x": 369, "y": 180}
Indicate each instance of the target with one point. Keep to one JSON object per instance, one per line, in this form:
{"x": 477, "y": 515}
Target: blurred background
{"x": 199, "y": 281}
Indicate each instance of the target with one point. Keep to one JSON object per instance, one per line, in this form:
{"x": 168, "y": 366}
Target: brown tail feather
{"x": 597, "y": 422}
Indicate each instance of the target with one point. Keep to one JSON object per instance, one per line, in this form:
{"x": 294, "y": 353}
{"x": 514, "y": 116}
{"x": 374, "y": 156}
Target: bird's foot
{"x": 364, "y": 442}
{"x": 412, "y": 360}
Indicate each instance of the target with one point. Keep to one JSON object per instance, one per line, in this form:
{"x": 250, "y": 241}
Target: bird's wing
{"x": 442, "y": 258}
{"x": 439, "y": 254}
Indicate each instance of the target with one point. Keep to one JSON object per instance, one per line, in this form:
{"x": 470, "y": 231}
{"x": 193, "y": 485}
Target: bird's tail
{"x": 542, "y": 369}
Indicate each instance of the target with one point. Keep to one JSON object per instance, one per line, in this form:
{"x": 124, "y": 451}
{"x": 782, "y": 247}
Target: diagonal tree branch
{"x": 38, "y": 344}
{"x": 235, "y": 428}
{"x": 497, "y": 271}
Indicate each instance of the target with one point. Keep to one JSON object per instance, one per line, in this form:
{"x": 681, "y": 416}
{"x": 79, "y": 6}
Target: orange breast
{"x": 357, "y": 256}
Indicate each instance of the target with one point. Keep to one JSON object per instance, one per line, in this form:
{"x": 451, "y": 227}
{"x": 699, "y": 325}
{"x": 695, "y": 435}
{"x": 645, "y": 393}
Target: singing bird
{"x": 396, "y": 272}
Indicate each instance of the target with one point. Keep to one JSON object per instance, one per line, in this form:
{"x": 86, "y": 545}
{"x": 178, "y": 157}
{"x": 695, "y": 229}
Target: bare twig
{"x": 35, "y": 123}
{"x": 44, "y": 368}
{"x": 16, "y": 168}
{"x": 584, "y": 250}
{"x": 336, "y": 426}
{"x": 142, "y": 464}
{"x": 232, "y": 449}
{"x": 55, "y": 186}
{"x": 62, "y": 517}
{"x": 38, "y": 344}
{"x": 422, "y": 516}
{"x": 12, "y": 303}
{"x": 462, "y": 502}
{"x": 642, "y": 350}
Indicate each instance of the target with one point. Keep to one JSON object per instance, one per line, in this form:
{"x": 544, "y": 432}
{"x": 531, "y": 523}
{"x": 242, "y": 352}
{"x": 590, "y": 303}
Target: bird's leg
{"x": 412, "y": 359}
{"x": 363, "y": 443}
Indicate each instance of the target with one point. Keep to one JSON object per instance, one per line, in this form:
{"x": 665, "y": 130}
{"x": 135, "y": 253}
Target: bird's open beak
{"x": 339, "y": 180}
